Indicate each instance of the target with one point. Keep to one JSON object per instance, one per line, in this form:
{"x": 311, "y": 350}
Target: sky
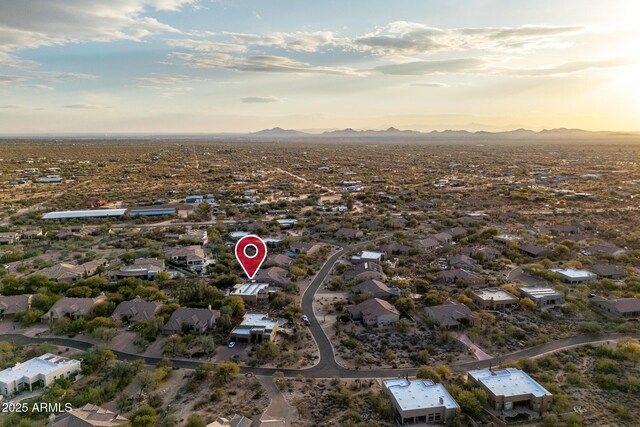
{"x": 209, "y": 66}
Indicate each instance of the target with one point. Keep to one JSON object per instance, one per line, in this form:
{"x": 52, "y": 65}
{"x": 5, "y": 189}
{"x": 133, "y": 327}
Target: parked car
{"x": 305, "y": 319}
{"x": 232, "y": 344}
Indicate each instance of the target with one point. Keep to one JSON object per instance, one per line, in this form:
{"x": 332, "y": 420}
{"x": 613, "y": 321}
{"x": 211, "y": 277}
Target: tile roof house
{"x": 142, "y": 268}
{"x": 198, "y": 320}
{"x": 11, "y": 305}
{"x": 429, "y": 243}
{"x": 363, "y": 271}
{"x": 450, "y": 314}
{"x": 305, "y": 247}
{"x": 443, "y": 237}
{"x": 73, "y": 308}
{"x": 279, "y": 260}
{"x": 348, "y": 233}
{"x": 374, "y": 311}
{"x": 609, "y": 271}
{"x": 604, "y": 248}
{"x": 274, "y": 276}
{"x": 620, "y": 308}
{"x": 373, "y": 287}
{"x": 135, "y": 310}
{"x": 464, "y": 262}
{"x": 66, "y": 272}
{"x": 532, "y": 250}
{"x": 461, "y": 277}
{"x": 192, "y": 256}
{"x": 88, "y": 416}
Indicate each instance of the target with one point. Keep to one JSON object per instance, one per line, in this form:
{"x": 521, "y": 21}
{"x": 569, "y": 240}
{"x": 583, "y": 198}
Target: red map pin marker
{"x": 251, "y": 264}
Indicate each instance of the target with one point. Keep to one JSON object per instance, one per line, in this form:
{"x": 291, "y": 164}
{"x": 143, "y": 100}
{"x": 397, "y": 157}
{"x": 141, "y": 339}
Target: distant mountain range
{"x": 397, "y": 134}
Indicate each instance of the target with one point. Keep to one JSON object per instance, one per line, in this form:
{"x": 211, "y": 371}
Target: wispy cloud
{"x": 259, "y": 64}
{"x": 571, "y": 67}
{"x": 10, "y": 106}
{"x": 81, "y": 106}
{"x": 260, "y": 99}
{"x": 417, "y": 68}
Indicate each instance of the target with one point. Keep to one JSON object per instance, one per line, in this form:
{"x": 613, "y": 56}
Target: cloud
{"x": 259, "y": 64}
{"x": 57, "y": 77}
{"x": 9, "y": 106}
{"x": 571, "y": 67}
{"x": 81, "y": 106}
{"x": 167, "y": 85}
{"x": 417, "y": 68}
{"x": 411, "y": 38}
{"x": 28, "y": 24}
{"x": 428, "y": 84}
{"x": 297, "y": 42}
{"x": 206, "y": 45}
{"x": 260, "y": 99}
{"x": 7, "y": 79}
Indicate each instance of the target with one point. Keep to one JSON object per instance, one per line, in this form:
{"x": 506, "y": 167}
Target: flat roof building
{"x": 572, "y": 275}
{"x": 493, "y": 298}
{"x": 510, "y": 389}
{"x": 256, "y": 294}
{"x": 255, "y": 328}
{"x": 98, "y": 213}
{"x": 42, "y": 371}
{"x": 420, "y": 401}
{"x": 544, "y": 297}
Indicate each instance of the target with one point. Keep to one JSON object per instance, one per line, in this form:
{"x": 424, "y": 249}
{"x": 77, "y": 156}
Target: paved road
{"x": 331, "y": 370}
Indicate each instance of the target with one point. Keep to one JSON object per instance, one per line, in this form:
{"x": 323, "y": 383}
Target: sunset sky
{"x": 187, "y": 66}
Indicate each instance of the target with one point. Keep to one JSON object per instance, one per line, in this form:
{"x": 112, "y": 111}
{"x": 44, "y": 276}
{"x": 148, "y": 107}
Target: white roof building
{"x": 571, "y": 275}
{"x": 45, "y": 369}
{"x": 98, "y": 213}
{"x": 420, "y": 401}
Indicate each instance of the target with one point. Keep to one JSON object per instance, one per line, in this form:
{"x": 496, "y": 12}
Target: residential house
{"x": 66, "y": 272}
{"x": 510, "y": 389}
{"x": 375, "y": 288}
{"x": 534, "y": 251}
{"x": 279, "y": 260}
{"x": 493, "y": 298}
{"x": 463, "y": 262}
{"x": 450, "y": 315}
{"x": 253, "y": 294}
{"x": 142, "y": 268}
{"x": 461, "y": 277}
{"x": 573, "y": 276}
{"x": 255, "y": 328}
{"x": 136, "y": 310}
{"x": 617, "y": 308}
{"x": 364, "y": 271}
{"x": 40, "y": 371}
{"x": 192, "y": 256}
{"x": 604, "y": 249}
{"x": 74, "y": 308}
{"x": 609, "y": 271}
{"x": 11, "y": 305}
{"x": 443, "y": 237}
{"x": 348, "y": 233}
{"x": 543, "y": 297}
{"x": 196, "y": 320}
{"x": 369, "y": 256}
{"x": 418, "y": 402}
{"x": 374, "y": 311}
{"x": 274, "y": 276}
{"x": 397, "y": 249}
{"x": 429, "y": 244}
{"x": 88, "y": 416}
{"x": 305, "y": 247}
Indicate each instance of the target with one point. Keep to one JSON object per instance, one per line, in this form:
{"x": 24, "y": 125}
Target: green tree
{"x": 225, "y": 372}
{"x": 144, "y": 417}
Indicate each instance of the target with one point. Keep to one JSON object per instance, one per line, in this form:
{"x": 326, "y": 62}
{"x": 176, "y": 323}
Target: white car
{"x": 305, "y": 319}
{"x": 232, "y": 344}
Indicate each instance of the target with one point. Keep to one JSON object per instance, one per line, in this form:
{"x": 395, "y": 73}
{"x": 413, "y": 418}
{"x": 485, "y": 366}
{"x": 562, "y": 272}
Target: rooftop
{"x": 250, "y": 288}
{"x": 98, "y": 213}
{"x": 419, "y": 394}
{"x": 495, "y": 294}
{"x": 572, "y": 273}
{"x": 509, "y": 382}
{"x": 539, "y": 291}
{"x": 38, "y": 365}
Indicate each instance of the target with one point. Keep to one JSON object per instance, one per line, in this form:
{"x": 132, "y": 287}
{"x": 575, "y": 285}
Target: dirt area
{"x": 334, "y": 402}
